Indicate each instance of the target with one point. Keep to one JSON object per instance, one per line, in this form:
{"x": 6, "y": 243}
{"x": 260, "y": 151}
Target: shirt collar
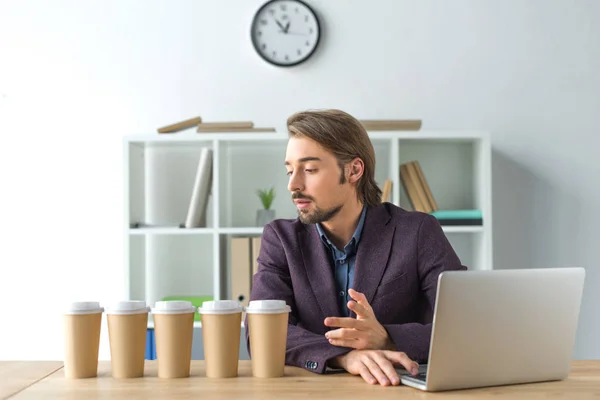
{"x": 355, "y": 236}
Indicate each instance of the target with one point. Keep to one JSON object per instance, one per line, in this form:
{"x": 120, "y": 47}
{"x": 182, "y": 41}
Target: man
{"x": 360, "y": 276}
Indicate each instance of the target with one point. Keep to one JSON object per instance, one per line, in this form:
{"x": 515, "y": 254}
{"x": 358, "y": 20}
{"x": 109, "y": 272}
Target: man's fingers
{"x": 358, "y": 296}
{"x": 387, "y": 368}
{"x": 359, "y": 309}
{"x": 336, "y": 322}
{"x": 401, "y": 358}
{"x": 351, "y": 343}
{"x": 376, "y": 371}
{"x": 366, "y": 375}
{"x": 344, "y": 333}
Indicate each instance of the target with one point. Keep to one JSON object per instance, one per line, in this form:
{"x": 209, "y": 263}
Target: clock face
{"x": 285, "y": 32}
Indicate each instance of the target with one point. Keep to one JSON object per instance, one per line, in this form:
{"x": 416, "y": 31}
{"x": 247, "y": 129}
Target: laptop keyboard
{"x": 421, "y": 377}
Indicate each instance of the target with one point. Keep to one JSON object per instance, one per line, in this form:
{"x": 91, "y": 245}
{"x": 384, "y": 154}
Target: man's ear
{"x": 356, "y": 170}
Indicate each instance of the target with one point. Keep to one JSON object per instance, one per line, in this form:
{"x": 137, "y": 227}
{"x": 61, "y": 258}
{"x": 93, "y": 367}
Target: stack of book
{"x": 196, "y": 122}
{"x": 421, "y": 198}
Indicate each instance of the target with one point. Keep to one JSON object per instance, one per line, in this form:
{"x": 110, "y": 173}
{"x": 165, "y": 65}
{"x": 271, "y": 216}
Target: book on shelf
{"x": 391, "y": 124}
{"x": 459, "y": 217}
{"x": 416, "y": 187}
{"x": 243, "y": 255}
{"x": 179, "y": 126}
{"x": 386, "y": 192}
{"x": 196, "y": 216}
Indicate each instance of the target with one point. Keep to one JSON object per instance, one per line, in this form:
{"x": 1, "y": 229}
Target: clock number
{"x": 306, "y": 18}
{"x": 274, "y": 54}
{"x": 299, "y": 52}
{"x": 283, "y": 7}
{"x": 287, "y": 58}
{"x": 311, "y": 30}
{"x": 264, "y": 46}
{"x": 259, "y": 33}
{"x": 263, "y": 21}
{"x": 297, "y": 10}
{"x": 284, "y": 16}
{"x": 271, "y": 11}
{"x": 307, "y": 43}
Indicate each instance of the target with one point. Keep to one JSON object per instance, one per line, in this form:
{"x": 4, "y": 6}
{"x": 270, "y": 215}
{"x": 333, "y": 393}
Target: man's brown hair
{"x": 344, "y": 136}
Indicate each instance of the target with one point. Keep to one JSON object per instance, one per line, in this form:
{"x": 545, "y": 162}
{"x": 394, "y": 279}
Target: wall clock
{"x": 285, "y": 32}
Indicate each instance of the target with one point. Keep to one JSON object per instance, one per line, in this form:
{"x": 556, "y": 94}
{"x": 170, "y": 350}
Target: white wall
{"x": 77, "y": 76}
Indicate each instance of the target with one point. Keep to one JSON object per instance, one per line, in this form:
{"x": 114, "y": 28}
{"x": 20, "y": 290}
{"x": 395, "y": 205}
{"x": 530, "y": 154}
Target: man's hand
{"x": 376, "y": 366}
{"x": 362, "y": 333}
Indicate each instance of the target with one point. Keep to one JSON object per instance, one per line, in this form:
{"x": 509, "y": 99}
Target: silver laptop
{"x": 501, "y": 327}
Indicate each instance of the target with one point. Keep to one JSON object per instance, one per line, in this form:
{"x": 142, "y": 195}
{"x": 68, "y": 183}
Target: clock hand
{"x": 281, "y": 26}
{"x": 287, "y": 26}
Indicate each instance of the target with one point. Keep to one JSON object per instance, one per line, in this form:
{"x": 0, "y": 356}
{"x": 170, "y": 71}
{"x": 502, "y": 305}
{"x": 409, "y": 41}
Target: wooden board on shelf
{"x": 176, "y": 127}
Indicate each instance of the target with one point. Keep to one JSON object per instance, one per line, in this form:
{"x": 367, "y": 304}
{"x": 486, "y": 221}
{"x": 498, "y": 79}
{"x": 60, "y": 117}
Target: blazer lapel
{"x": 319, "y": 271}
{"x": 373, "y": 251}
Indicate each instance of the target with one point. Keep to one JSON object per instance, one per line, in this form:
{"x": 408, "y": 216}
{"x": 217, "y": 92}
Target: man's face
{"x": 315, "y": 181}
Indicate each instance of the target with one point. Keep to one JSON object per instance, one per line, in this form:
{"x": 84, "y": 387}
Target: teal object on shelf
{"x": 457, "y": 214}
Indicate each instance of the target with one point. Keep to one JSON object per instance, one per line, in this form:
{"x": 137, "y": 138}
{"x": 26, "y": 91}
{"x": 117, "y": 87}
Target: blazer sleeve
{"x": 304, "y": 349}
{"x": 434, "y": 255}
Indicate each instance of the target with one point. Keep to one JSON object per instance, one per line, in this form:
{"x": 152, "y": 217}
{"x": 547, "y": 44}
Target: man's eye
{"x": 288, "y": 173}
{"x": 310, "y": 170}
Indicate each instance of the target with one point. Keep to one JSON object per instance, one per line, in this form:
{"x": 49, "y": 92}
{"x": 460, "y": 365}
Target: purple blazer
{"x": 400, "y": 255}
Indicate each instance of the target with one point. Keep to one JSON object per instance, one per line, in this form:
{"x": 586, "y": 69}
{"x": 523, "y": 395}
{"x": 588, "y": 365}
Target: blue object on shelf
{"x": 457, "y": 214}
{"x": 150, "y": 346}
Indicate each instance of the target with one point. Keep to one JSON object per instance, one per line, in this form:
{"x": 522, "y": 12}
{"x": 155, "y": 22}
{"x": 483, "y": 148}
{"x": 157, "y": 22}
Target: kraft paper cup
{"x": 82, "y": 322}
{"x": 221, "y": 326}
{"x": 268, "y": 324}
{"x": 127, "y": 326}
{"x": 173, "y": 331}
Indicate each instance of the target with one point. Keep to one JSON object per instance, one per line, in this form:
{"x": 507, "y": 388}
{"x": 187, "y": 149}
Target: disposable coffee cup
{"x": 127, "y": 326}
{"x": 173, "y": 332}
{"x": 82, "y": 322}
{"x": 268, "y": 325}
{"x": 221, "y": 326}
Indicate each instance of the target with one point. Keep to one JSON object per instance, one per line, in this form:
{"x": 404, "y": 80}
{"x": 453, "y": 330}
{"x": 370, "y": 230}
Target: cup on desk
{"x": 127, "y": 325}
{"x": 268, "y": 325}
{"x": 173, "y": 332}
{"x": 82, "y": 322}
{"x": 221, "y": 325}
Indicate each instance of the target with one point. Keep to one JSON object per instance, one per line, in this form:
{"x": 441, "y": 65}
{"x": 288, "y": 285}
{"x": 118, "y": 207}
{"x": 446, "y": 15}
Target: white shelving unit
{"x": 162, "y": 259}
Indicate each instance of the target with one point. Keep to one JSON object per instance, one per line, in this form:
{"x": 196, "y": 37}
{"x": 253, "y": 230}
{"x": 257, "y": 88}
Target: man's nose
{"x": 296, "y": 183}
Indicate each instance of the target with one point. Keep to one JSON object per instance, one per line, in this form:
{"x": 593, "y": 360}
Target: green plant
{"x": 266, "y": 197}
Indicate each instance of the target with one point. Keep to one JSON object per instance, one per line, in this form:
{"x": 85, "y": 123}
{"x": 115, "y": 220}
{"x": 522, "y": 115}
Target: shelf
{"x": 241, "y": 231}
{"x": 463, "y": 229}
{"x": 173, "y": 230}
{"x": 170, "y": 230}
{"x": 186, "y": 138}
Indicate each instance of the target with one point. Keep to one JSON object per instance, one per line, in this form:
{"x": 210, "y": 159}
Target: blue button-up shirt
{"x": 344, "y": 261}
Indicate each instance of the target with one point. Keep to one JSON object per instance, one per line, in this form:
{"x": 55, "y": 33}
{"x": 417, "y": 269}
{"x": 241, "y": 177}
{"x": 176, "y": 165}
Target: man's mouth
{"x": 302, "y": 203}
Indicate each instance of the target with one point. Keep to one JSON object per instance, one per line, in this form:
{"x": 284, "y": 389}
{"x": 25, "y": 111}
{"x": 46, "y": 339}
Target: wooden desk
{"x": 583, "y": 383}
{"x": 18, "y": 375}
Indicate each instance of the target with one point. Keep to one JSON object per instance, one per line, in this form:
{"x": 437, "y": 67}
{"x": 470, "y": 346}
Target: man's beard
{"x": 318, "y": 216}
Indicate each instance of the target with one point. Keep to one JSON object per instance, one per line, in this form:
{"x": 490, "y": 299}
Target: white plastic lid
{"x": 220, "y": 307}
{"x": 267, "y": 307}
{"x": 128, "y": 307}
{"x": 84, "y": 307}
{"x": 173, "y": 307}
